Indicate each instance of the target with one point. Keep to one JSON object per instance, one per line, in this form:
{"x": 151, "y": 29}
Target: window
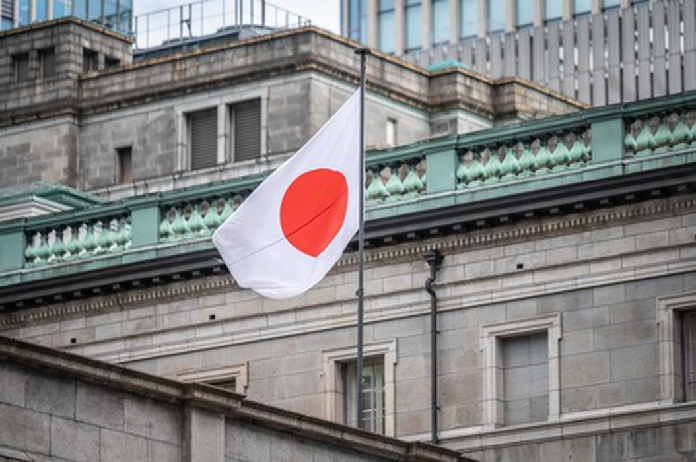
{"x": 688, "y": 354}
{"x": 391, "y": 132}
{"x": 24, "y": 12}
{"x": 526, "y": 378}
{"x": 611, "y": 4}
{"x": 412, "y": 14}
{"x": 357, "y": 20}
{"x": 110, "y": 13}
{"x": 582, "y": 7}
{"x": 246, "y": 130}
{"x": 340, "y": 386}
{"x": 676, "y": 316}
{"x": 373, "y": 410}
{"x": 61, "y": 8}
{"x": 526, "y": 10}
{"x": 47, "y": 62}
{"x": 20, "y": 67}
{"x": 90, "y": 60}
{"x": 41, "y": 10}
{"x": 126, "y": 13}
{"x": 440, "y": 22}
{"x": 231, "y": 378}
{"x": 81, "y": 9}
{"x": 554, "y": 11}
{"x": 387, "y": 31}
{"x": 111, "y": 63}
{"x": 94, "y": 12}
{"x": 6, "y": 15}
{"x": 497, "y": 14}
{"x": 202, "y": 131}
{"x": 469, "y": 18}
{"x": 125, "y": 169}
{"x": 521, "y": 370}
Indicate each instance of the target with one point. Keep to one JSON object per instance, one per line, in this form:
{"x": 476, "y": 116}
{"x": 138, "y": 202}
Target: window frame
{"x": 669, "y": 310}
{"x": 491, "y": 336}
{"x": 334, "y": 394}
{"x": 238, "y": 372}
{"x": 16, "y": 59}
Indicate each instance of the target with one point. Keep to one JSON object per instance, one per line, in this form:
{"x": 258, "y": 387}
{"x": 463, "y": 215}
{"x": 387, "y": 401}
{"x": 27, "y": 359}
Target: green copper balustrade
{"x": 489, "y": 165}
{"x": 660, "y": 133}
{"x": 395, "y": 181}
{"x": 193, "y": 219}
{"x": 74, "y": 241}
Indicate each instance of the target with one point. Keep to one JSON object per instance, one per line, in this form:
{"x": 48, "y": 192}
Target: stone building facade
{"x": 564, "y": 298}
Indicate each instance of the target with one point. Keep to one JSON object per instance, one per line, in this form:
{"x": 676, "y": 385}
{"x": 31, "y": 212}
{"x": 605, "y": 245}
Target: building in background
{"x": 596, "y": 51}
{"x": 116, "y": 15}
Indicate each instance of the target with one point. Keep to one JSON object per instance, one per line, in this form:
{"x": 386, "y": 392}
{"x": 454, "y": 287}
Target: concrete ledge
{"x": 230, "y": 404}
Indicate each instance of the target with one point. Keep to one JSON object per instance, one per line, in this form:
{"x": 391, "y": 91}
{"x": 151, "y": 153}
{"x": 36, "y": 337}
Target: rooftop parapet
{"x": 584, "y": 154}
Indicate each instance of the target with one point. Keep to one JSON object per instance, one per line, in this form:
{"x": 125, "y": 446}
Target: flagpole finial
{"x": 363, "y": 51}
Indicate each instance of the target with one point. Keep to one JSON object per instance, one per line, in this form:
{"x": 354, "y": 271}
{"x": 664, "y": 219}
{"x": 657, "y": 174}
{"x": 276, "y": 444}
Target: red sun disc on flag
{"x": 313, "y": 210}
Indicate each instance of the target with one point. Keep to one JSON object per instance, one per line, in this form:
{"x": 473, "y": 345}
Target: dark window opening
{"x": 246, "y": 129}
{"x": 125, "y": 166}
{"x": 90, "y": 60}
{"x": 47, "y": 62}
{"x": 20, "y": 67}
{"x": 111, "y": 63}
{"x": 202, "y": 127}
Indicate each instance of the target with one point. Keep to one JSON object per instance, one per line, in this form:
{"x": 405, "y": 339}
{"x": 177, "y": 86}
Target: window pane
{"x": 441, "y": 21}
{"x": 23, "y": 12}
{"x": 81, "y": 9}
{"x": 582, "y": 7}
{"x": 5, "y": 24}
{"x": 41, "y": 10}
{"x": 362, "y": 36}
{"x": 373, "y": 409}
{"x": 110, "y": 11}
{"x": 469, "y": 18}
{"x": 497, "y": 12}
{"x": 387, "y": 33}
{"x": 126, "y": 17}
{"x": 61, "y": 8}
{"x": 554, "y": 11}
{"x": 95, "y": 10}
{"x": 413, "y": 27}
{"x": 612, "y": 4}
{"x": 526, "y": 9}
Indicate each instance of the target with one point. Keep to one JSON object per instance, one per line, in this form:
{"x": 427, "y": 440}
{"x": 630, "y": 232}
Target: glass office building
{"x": 114, "y": 14}
{"x": 405, "y": 26}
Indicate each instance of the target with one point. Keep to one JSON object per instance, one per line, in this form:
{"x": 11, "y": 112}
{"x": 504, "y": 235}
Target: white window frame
{"x": 668, "y": 309}
{"x": 238, "y": 372}
{"x": 333, "y": 383}
{"x": 491, "y": 341}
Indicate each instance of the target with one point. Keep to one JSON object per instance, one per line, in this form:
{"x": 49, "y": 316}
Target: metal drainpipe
{"x": 434, "y": 259}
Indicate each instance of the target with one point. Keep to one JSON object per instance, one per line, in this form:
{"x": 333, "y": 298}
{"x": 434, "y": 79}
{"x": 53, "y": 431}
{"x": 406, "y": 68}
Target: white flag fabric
{"x": 292, "y": 229}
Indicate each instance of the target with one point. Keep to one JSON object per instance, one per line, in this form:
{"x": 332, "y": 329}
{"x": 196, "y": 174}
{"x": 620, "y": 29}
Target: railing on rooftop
{"x": 207, "y": 18}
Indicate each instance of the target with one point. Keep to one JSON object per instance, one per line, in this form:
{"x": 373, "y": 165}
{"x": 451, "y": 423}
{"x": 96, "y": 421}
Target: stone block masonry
{"x": 65, "y": 407}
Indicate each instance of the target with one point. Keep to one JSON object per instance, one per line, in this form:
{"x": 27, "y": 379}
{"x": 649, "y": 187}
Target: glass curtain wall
{"x": 357, "y": 20}
{"x": 554, "y": 11}
{"x": 440, "y": 22}
{"x": 526, "y": 10}
{"x": 469, "y": 15}
{"x": 387, "y": 29}
{"x": 497, "y": 14}
{"x": 412, "y": 15}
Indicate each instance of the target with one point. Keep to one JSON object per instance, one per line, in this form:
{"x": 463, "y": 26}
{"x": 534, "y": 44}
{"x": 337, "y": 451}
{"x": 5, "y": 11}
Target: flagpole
{"x": 363, "y": 52}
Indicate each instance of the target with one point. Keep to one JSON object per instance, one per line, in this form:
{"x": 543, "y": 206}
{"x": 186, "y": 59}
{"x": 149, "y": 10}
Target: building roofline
{"x": 66, "y": 20}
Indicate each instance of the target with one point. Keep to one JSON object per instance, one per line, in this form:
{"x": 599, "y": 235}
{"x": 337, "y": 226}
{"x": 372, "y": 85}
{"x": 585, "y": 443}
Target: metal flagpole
{"x": 363, "y": 52}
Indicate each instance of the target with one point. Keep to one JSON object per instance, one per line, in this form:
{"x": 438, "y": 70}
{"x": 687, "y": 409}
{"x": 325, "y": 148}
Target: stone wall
{"x": 599, "y": 274}
{"x": 67, "y": 408}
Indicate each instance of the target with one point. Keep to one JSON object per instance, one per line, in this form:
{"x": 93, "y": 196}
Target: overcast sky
{"x": 322, "y": 13}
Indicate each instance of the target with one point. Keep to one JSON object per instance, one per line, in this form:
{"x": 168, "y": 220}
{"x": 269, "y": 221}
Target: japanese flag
{"x": 292, "y": 229}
